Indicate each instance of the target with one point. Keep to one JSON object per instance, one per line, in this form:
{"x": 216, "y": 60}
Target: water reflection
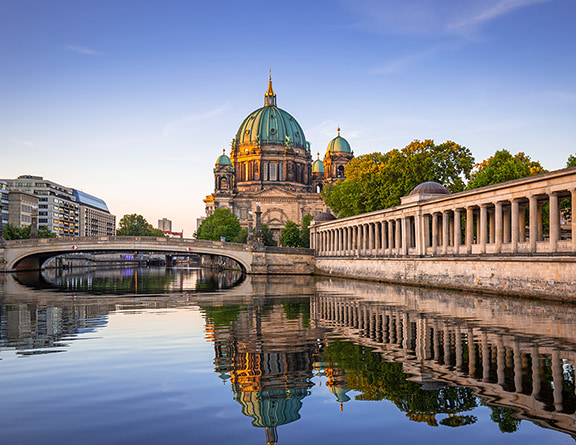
{"x": 267, "y": 350}
{"x": 133, "y": 280}
{"x": 518, "y": 355}
{"x": 437, "y": 356}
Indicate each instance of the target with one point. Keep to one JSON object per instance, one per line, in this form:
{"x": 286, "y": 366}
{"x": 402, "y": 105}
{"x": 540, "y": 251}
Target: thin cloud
{"x": 23, "y": 142}
{"x": 429, "y": 17}
{"x": 83, "y": 50}
{"x": 493, "y": 12}
{"x": 186, "y": 121}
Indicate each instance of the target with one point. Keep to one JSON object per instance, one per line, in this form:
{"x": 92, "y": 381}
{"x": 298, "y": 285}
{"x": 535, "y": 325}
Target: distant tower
{"x": 165, "y": 225}
{"x": 338, "y": 154}
{"x": 318, "y": 174}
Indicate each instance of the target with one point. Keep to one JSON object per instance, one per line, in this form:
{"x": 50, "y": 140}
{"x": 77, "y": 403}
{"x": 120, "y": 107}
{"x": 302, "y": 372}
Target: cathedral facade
{"x": 270, "y": 166}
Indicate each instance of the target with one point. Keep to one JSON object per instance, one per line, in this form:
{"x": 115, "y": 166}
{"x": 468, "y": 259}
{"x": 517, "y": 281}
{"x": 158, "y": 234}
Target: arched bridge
{"x": 18, "y": 255}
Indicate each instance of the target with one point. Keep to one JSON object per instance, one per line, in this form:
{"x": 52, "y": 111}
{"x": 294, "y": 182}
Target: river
{"x": 192, "y": 356}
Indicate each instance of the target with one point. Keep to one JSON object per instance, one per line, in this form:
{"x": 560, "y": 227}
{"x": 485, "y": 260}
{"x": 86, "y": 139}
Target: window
{"x": 272, "y": 168}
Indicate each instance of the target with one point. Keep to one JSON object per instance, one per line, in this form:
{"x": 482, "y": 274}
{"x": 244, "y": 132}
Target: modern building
{"x": 63, "y": 210}
{"x": 57, "y": 206}
{"x": 4, "y": 203}
{"x": 165, "y": 225}
{"x": 22, "y": 208}
{"x": 270, "y": 166}
{"x": 95, "y": 218}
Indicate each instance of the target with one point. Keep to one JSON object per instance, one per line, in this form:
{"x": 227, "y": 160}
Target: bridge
{"x": 31, "y": 254}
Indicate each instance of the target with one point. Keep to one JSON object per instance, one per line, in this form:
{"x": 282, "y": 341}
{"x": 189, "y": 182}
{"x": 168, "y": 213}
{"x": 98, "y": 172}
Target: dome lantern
{"x": 270, "y": 96}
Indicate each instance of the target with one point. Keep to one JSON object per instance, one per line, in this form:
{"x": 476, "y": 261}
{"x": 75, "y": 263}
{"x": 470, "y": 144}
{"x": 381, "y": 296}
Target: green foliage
{"x": 376, "y": 181}
{"x": 223, "y": 316}
{"x": 504, "y": 418}
{"x": 222, "y": 223}
{"x": 571, "y": 162}
{"x": 305, "y": 231}
{"x": 242, "y": 236}
{"x": 267, "y": 236}
{"x": 368, "y": 373}
{"x": 136, "y": 225}
{"x": 45, "y": 232}
{"x": 501, "y": 167}
{"x": 11, "y": 232}
{"x": 290, "y": 235}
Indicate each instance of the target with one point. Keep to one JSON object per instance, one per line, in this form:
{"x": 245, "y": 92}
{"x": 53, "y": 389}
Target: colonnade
{"x": 507, "y": 219}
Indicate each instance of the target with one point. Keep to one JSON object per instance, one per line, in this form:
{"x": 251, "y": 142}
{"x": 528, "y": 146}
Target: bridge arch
{"x": 32, "y": 254}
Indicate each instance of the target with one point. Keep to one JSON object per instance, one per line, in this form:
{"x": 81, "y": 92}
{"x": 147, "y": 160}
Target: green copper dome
{"x": 223, "y": 160}
{"x": 271, "y": 125}
{"x": 339, "y": 145}
{"x": 317, "y": 166}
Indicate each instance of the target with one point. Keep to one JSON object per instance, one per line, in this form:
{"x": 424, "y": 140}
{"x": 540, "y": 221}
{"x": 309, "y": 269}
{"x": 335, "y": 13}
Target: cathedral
{"x": 270, "y": 166}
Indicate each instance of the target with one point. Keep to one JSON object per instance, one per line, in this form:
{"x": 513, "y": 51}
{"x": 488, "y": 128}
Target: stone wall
{"x": 553, "y": 278}
{"x": 283, "y": 261}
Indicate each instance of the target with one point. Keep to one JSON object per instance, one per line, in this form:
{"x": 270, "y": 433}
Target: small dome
{"x": 317, "y": 166}
{"x": 338, "y": 145}
{"x": 223, "y": 160}
{"x": 324, "y": 216}
{"x": 430, "y": 188}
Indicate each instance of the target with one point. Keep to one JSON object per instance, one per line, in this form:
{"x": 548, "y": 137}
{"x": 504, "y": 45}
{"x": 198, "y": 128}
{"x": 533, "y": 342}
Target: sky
{"x": 134, "y": 100}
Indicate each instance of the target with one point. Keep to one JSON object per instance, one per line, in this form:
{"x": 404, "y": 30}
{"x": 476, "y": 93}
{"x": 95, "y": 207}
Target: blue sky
{"x": 133, "y": 100}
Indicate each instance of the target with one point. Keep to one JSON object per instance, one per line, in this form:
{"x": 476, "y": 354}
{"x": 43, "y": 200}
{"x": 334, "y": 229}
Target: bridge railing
{"x": 127, "y": 239}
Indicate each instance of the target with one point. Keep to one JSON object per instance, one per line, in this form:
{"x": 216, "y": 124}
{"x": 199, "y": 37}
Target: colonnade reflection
{"x": 526, "y": 364}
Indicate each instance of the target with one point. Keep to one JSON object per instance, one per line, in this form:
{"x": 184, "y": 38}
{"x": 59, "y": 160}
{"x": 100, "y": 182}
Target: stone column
{"x": 515, "y": 225}
{"x": 554, "y": 222}
{"x": 370, "y": 239}
{"x": 506, "y": 226}
{"x": 500, "y": 361}
{"x": 522, "y": 224}
{"x": 384, "y": 236}
{"x": 426, "y": 220}
{"x": 398, "y": 224}
{"x": 377, "y": 237}
{"x": 536, "y": 375}
{"x": 491, "y": 226}
{"x": 498, "y": 227}
{"x": 445, "y": 231}
{"x": 469, "y": 229}
{"x": 418, "y": 234}
{"x": 434, "y": 233}
{"x": 557, "y": 380}
{"x": 533, "y": 222}
{"x": 540, "y": 223}
{"x": 405, "y": 237}
{"x": 483, "y": 229}
{"x": 517, "y": 366}
{"x": 457, "y": 231}
{"x": 390, "y": 236}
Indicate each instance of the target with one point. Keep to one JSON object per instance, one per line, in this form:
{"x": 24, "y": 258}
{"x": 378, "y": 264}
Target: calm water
{"x": 192, "y": 357}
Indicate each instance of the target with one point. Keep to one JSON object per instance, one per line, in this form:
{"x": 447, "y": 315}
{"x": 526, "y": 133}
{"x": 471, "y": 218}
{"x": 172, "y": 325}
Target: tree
{"x": 11, "y": 232}
{"x": 376, "y": 181}
{"x": 571, "y": 162}
{"x": 267, "y": 236}
{"x": 305, "y": 231}
{"x": 136, "y": 225}
{"x": 290, "y": 235}
{"x": 221, "y": 224}
{"x": 501, "y": 167}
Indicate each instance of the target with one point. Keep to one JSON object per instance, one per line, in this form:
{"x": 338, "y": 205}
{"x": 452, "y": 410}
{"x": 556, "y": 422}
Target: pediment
{"x": 275, "y": 192}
